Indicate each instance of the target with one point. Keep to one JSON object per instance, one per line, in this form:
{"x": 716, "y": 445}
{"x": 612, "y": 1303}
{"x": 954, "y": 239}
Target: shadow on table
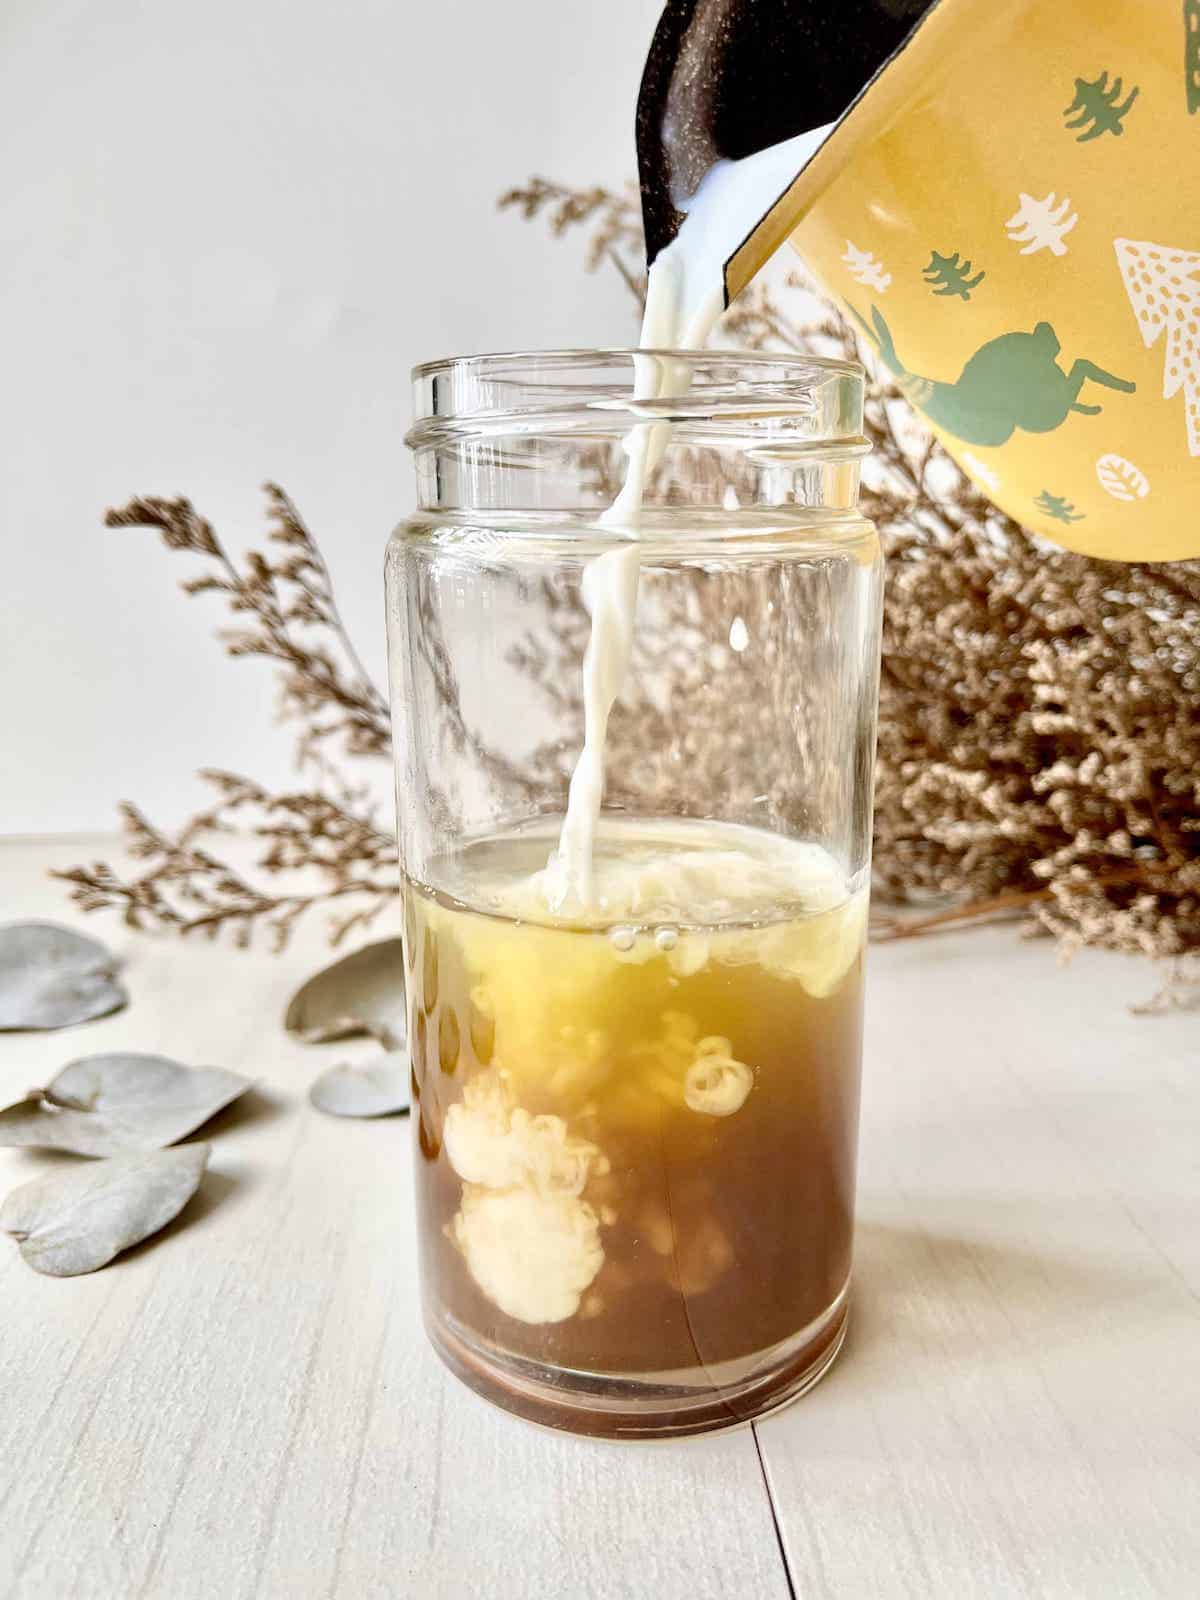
{"x": 255, "y": 1106}
{"x": 953, "y": 1294}
{"x": 214, "y": 1191}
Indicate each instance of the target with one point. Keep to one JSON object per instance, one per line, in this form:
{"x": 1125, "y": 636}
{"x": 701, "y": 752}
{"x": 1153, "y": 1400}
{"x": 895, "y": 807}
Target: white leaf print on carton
{"x": 865, "y": 269}
{"x": 1041, "y": 224}
{"x": 1163, "y": 285}
{"x": 1121, "y": 479}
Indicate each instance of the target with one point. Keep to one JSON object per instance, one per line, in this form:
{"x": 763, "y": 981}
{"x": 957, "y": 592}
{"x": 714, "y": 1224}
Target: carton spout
{"x": 737, "y": 98}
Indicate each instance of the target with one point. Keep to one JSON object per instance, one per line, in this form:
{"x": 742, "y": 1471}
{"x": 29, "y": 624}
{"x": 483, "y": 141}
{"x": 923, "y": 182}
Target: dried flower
{"x": 614, "y": 218}
{"x": 291, "y": 618}
{"x": 1039, "y": 731}
{"x": 1039, "y": 746}
{"x": 326, "y": 833}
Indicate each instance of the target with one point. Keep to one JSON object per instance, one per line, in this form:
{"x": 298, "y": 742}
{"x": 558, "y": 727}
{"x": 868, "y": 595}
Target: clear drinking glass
{"x": 636, "y": 1119}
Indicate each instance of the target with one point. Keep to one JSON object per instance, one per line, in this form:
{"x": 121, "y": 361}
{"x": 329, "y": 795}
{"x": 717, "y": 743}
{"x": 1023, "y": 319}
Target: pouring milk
{"x": 686, "y": 294}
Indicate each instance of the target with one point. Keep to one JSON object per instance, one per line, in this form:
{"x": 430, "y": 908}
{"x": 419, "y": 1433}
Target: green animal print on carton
{"x": 1191, "y": 53}
{"x": 950, "y": 275}
{"x": 1054, "y": 505}
{"x": 1095, "y": 107}
{"x": 1010, "y": 382}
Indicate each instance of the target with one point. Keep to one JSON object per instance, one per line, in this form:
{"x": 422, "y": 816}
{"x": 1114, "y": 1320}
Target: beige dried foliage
{"x": 612, "y": 218}
{"x": 1039, "y": 734}
{"x": 1039, "y": 745}
{"x": 324, "y": 834}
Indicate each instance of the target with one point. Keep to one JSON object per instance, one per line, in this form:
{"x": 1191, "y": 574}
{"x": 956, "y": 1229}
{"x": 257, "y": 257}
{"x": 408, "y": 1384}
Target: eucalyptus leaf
{"x": 52, "y": 977}
{"x": 362, "y": 994}
{"x": 377, "y": 1088}
{"x": 79, "y": 1218}
{"x": 106, "y": 1105}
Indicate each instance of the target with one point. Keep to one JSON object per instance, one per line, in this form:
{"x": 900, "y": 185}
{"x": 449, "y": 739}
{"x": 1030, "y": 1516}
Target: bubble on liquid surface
{"x": 666, "y": 938}
{"x": 622, "y": 937}
{"x": 739, "y": 635}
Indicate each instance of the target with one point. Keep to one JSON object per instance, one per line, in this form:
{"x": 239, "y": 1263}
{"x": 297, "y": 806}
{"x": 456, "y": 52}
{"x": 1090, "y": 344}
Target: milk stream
{"x": 685, "y": 296}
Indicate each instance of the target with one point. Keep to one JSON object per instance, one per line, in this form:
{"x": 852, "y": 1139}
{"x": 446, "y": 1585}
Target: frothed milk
{"x": 684, "y": 298}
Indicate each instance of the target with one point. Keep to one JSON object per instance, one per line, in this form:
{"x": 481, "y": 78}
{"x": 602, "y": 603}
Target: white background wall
{"x": 227, "y": 231}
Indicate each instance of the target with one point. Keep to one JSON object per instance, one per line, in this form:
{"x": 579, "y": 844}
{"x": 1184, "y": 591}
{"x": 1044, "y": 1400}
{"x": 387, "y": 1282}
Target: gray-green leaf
{"x": 362, "y": 994}
{"x": 106, "y": 1105}
{"x": 378, "y": 1088}
{"x": 79, "y": 1218}
{"x": 51, "y": 977}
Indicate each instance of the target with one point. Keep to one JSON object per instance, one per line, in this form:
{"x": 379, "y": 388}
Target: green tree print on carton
{"x": 1054, "y": 505}
{"x": 1098, "y": 108}
{"x": 1011, "y": 382}
{"x": 948, "y": 275}
{"x": 1191, "y": 53}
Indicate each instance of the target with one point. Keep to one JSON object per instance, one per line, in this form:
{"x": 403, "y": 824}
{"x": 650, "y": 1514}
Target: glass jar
{"x": 636, "y": 1102}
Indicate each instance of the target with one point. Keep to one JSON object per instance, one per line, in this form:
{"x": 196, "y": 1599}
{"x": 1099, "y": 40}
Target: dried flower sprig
{"x": 612, "y": 217}
{"x": 318, "y": 846}
{"x": 291, "y": 618}
{"x": 186, "y": 888}
{"x": 1039, "y": 743}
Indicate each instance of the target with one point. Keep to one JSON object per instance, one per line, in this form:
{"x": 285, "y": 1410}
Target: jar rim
{"x": 573, "y": 357}
{"x": 723, "y": 394}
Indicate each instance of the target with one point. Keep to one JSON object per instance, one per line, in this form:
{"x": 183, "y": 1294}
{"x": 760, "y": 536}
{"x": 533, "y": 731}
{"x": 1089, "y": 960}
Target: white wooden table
{"x": 246, "y": 1406}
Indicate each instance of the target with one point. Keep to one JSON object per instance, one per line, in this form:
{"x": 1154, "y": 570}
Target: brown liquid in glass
{"x": 715, "y": 1236}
